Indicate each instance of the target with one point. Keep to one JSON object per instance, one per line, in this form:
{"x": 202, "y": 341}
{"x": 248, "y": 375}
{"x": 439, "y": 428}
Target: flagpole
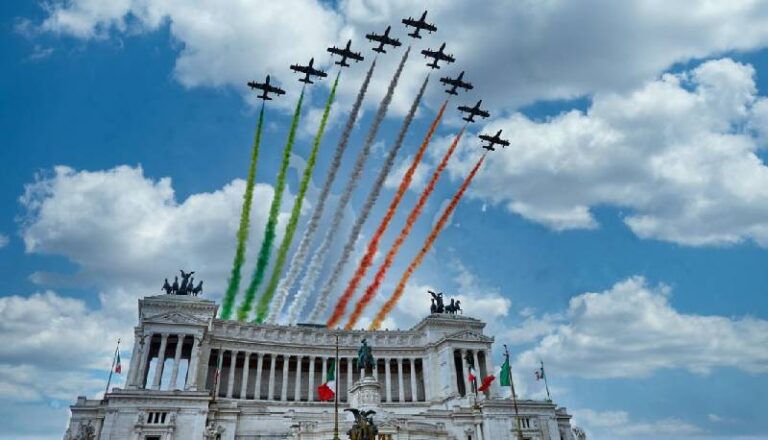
{"x": 514, "y": 396}
{"x": 544, "y": 376}
{"x": 336, "y": 393}
{"x": 112, "y": 368}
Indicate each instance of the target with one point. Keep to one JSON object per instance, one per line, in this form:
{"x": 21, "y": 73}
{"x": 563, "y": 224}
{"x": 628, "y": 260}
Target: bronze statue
{"x": 364, "y": 357}
{"x": 364, "y": 428}
{"x": 198, "y": 290}
{"x": 167, "y": 287}
{"x": 184, "y": 289}
{"x": 175, "y": 286}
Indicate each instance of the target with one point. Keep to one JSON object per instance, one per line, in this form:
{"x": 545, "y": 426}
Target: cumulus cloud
{"x": 520, "y": 52}
{"x": 632, "y": 330}
{"x": 618, "y": 423}
{"x": 3, "y": 240}
{"x": 676, "y": 154}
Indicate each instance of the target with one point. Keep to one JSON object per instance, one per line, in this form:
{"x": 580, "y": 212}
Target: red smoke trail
{"x": 373, "y": 245}
{"x": 370, "y": 292}
{"x": 392, "y": 301}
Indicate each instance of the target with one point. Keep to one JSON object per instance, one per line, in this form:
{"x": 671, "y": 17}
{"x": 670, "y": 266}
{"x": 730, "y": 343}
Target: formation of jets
{"x": 419, "y": 25}
{"x": 382, "y": 40}
{"x": 456, "y": 83}
{"x": 493, "y": 140}
{"x": 437, "y": 56}
{"x": 473, "y": 112}
{"x": 345, "y": 54}
{"x": 266, "y": 89}
{"x": 308, "y": 71}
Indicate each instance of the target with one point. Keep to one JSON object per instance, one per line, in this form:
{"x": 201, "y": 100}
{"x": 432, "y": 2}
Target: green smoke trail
{"x": 263, "y": 305}
{"x": 245, "y": 221}
{"x": 274, "y": 210}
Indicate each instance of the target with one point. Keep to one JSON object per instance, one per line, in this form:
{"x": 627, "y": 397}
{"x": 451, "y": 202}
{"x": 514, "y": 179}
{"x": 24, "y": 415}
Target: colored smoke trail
{"x": 392, "y": 301}
{"x": 293, "y": 221}
{"x": 274, "y": 211}
{"x": 371, "y": 290}
{"x": 316, "y": 262}
{"x": 245, "y": 221}
{"x": 373, "y": 245}
{"x": 302, "y": 252}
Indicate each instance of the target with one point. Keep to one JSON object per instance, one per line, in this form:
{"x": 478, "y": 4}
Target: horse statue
{"x": 364, "y": 357}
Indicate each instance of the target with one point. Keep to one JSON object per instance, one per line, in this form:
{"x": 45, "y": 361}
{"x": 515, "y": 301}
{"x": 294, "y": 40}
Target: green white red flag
{"x": 327, "y": 391}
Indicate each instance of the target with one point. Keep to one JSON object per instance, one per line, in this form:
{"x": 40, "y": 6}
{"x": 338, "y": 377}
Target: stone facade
{"x": 192, "y": 376}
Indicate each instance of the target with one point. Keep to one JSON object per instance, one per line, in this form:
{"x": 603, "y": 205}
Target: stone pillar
{"x": 325, "y": 372}
{"x": 297, "y": 386}
{"x": 259, "y": 367}
{"x": 465, "y": 369}
{"x": 478, "y": 370}
{"x": 414, "y": 390}
{"x": 176, "y": 361}
{"x": 135, "y": 357}
{"x": 350, "y": 368}
{"x": 375, "y": 370}
{"x": 311, "y": 385}
{"x": 232, "y": 368}
{"x": 388, "y": 379}
{"x": 193, "y": 361}
{"x": 400, "y": 386}
{"x": 284, "y": 385}
{"x": 495, "y": 389}
{"x": 141, "y": 371}
{"x": 219, "y": 367}
{"x": 160, "y": 362}
{"x": 271, "y": 386}
{"x": 246, "y": 371}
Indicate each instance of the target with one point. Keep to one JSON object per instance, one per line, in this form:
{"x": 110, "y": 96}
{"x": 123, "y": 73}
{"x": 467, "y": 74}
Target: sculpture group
{"x": 438, "y": 306}
{"x": 363, "y": 428}
{"x": 187, "y": 286}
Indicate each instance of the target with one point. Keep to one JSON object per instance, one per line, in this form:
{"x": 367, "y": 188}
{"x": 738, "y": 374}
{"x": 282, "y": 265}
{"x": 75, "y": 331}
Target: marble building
{"x": 192, "y": 376}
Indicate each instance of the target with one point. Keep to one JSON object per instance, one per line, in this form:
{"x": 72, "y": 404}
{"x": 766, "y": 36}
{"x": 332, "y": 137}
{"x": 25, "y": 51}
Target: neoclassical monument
{"x": 193, "y": 376}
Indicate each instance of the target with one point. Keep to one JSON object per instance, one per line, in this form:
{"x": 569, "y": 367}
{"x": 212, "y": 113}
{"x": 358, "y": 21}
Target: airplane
{"x": 308, "y": 71}
{"x": 438, "y": 55}
{"x": 493, "y": 140}
{"x": 266, "y": 88}
{"x": 456, "y": 83}
{"x": 344, "y": 54}
{"x": 383, "y": 40}
{"x": 473, "y": 111}
{"x": 419, "y": 25}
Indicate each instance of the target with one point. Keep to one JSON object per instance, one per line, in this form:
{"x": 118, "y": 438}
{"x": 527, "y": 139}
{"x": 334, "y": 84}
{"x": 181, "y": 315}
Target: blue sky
{"x": 621, "y": 237}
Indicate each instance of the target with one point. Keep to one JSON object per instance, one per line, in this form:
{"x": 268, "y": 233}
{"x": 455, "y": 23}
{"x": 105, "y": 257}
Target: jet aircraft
{"x": 419, "y": 25}
{"x": 438, "y": 55}
{"x": 456, "y": 83}
{"x": 473, "y": 111}
{"x": 266, "y": 89}
{"x": 308, "y": 71}
{"x": 383, "y": 40}
{"x": 345, "y": 53}
{"x": 493, "y": 140}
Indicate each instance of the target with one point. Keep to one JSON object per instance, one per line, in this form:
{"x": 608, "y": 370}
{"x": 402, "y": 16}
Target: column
{"x": 219, "y": 367}
{"x": 311, "y": 385}
{"x": 400, "y": 387}
{"x": 259, "y": 366}
{"x": 246, "y": 368}
{"x": 297, "y": 386}
{"x": 135, "y": 356}
{"x": 232, "y": 367}
{"x": 376, "y": 370}
{"x": 388, "y": 379}
{"x": 478, "y": 370}
{"x": 141, "y": 371}
{"x": 193, "y": 361}
{"x": 271, "y": 386}
{"x": 160, "y": 362}
{"x": 495, "y": 389}
{"x": 465, "y": 369}
{"x": 325, "y": 372}
{"x": 284, "y": 388}
{"x": 414, "y": 390}
{"x": 350, "y": 367}
{"x": 176, "y": 360}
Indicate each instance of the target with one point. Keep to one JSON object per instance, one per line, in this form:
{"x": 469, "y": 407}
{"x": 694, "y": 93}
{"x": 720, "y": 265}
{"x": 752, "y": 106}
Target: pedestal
{"x": 365, "y": 394}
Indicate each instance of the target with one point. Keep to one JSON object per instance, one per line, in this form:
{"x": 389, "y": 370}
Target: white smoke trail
{"x": 302, "y": 252}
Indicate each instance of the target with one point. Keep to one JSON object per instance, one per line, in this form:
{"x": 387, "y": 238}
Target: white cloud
{"x": 3, "y": 240}
{"x": 632, "y": 330}
{"x": 514, "y": 53}
{"x": 618, "y": 423}
{"x": 674, "y": 153}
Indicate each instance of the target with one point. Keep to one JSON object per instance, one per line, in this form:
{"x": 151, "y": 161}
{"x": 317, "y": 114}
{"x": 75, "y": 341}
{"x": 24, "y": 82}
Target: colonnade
{"x": 155, "y": 349}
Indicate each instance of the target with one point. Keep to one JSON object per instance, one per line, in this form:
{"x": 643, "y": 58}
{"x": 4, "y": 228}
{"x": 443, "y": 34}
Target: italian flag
{"x": 118, "y": 366}
{"x": 327, "y": 391}
{"x": 472, "y": 375}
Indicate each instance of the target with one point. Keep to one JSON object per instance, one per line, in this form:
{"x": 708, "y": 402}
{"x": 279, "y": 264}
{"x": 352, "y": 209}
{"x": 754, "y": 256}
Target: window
{"x": 525, "y": 423}
{"x": 152, "y": 437}
{"x": 157, "y": 417}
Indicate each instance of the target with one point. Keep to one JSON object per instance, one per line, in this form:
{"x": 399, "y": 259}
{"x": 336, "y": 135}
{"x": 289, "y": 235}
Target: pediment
{"x": 468, "y": 335}
{"x": 175, "y": 318}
